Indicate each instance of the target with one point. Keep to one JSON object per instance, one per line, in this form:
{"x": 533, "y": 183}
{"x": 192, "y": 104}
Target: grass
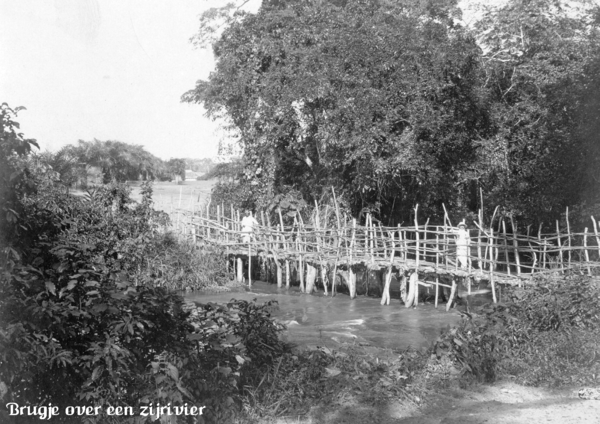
{"x": 169, "y": 196}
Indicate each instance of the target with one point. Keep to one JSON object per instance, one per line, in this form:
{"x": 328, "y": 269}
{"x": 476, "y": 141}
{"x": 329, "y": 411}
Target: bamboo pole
{"x": 250, "y": 263}
{"x": 480, "y": 216}
{"x": 560, "y": 256}
{"x": 492, "y": 266}
{"x": 568, "y": 238}
{"x": 543, "y": 250}
{"x": 339, "y": 241}
{"x": 240, "y": 270}
{"x": 437, "y": 259}
{"x": 507, "y": 260}
{"x": 587, "y": 255}
{"x": 597, "y": 235}
{"x": 452, "y": 295}
{"x": 416, "y": 239}
{"x": 532, "y": 252}
{"x": 385, "y": 298}
{"x": 385, "y": 254}
{"x": 544, "y": 253}
{"x": 515, "y": 245}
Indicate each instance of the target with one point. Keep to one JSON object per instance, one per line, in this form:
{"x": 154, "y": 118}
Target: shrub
{"x": 545, "y": 335}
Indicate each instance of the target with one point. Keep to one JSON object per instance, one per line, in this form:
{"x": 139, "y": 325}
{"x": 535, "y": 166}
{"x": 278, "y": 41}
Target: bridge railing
{"x": 495, "y": 248}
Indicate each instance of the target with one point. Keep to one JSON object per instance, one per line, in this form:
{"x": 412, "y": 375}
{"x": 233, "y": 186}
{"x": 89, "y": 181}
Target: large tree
{"x": 119, "y": 161}
{"x": 394, "y": 103}
{"x": 541, "y": 63}
{"x": 374, "y": 99}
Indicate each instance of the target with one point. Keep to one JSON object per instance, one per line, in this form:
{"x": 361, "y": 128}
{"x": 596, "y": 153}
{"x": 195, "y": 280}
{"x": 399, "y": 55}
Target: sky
{"x": 109, "y": 70}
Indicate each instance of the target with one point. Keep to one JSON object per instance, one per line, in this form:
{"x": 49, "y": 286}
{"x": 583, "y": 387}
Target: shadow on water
{"x": 325, "y": 321}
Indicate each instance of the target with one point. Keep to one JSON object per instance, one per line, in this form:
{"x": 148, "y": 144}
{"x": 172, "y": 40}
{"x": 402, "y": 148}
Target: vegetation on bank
{"x": 114, "y": 161}
{"x": 401, "y": 103}
{"x": 89, "y": 315}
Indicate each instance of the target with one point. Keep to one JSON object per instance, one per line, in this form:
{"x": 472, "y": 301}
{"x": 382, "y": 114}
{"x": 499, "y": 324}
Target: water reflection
{"x": 325, "y": 321}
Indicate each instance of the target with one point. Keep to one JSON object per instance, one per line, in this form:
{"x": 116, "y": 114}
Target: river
{"x": 325, "y": 321}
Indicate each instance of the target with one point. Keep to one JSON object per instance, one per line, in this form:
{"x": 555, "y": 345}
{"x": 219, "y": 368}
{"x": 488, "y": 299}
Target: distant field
{"x": 169, "y": 196}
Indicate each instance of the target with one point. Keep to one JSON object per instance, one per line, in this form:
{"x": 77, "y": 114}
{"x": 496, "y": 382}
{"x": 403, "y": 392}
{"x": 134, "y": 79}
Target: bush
{"x": 545, "y": 335}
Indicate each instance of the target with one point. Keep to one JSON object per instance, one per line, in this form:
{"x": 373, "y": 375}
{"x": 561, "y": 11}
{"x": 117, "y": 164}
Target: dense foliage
{"x": 88, "y": 311}
{"x": 397, "y": 103}
{"x": 116, "y": 162}
{"x": 544, "y": 335}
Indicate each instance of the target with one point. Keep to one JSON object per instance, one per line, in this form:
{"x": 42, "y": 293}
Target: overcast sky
{"x": 107, "y": 69}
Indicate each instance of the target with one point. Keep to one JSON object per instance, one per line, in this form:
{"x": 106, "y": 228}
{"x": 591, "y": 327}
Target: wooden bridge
{"x": 331, "y": 245}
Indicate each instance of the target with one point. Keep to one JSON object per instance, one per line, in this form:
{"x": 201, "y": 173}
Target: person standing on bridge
{"x": 463, "y": 241}
{"x": 249, "y": 224}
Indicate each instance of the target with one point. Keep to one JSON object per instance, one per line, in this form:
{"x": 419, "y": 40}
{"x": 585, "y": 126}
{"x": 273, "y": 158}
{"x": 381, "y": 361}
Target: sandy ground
{"x": 501, "y": 403}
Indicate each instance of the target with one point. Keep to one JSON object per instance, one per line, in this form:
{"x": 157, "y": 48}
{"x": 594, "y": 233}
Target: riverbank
{"x": 534, "y": 353}
{"x": 502, "y": 402}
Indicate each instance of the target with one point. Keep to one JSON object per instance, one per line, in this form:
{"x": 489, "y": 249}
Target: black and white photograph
{"x": 300, "y": 211}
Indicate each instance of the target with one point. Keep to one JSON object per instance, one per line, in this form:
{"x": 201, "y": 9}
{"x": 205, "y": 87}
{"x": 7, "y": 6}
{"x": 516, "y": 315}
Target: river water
{"x": 318, "y": 320}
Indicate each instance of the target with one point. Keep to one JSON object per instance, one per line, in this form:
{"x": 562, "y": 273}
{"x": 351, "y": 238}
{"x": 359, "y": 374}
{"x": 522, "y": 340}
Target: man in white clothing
{"x": 249, "y": 224}
{"x": 463, "y": 241}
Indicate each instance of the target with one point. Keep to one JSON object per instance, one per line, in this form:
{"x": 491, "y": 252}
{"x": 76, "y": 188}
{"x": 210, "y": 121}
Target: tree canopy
{"x": 395, "y": 103}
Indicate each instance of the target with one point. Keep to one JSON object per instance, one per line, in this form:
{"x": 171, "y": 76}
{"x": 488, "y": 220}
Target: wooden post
{"x": 532, "y": 251}
{"x": 543, "y": 254}
{"x": 301, "y": 273}
{"x": 492, "y": 266}
{"x": 515, "y": 245}
{"x": 324, "y": 278}
{"x": 385, "y": 297}
{"x": 560, "y": 256}
{"x": 597, "y": 235}
{"x": 279, "y": 274}
{"x": 437, "y": 263}
{"x": 371, "y": 243}
{"x": 413, "y": 284}
{"x": 240, "y": 270}
{"x": 587, "y": 255}
{"x": 452, "y": 295}
{"x": 218, "y": 222}
{"x": 506, "y": 247}
{"x": 385, "y": 254}
{"x": 250, "y": 264}
{"x": 416, "y": 240}
{"x": 311, "y": 276}
{"x": 287, "y": 274}
{"x": 568, "y": 238}
{"x": 545, "y": 248}
{"x": 352, "y": 282}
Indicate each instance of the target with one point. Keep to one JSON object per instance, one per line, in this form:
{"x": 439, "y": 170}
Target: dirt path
{"x": 507, "y": 403}
{"x": 501, "y": 403}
